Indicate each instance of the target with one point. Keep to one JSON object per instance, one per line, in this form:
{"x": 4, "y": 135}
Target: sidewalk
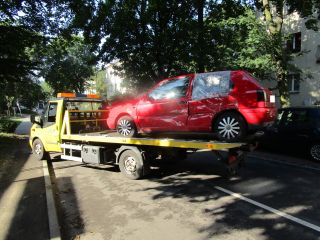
{"x": 24, "y": 127}
{"x": 22, "y": 193}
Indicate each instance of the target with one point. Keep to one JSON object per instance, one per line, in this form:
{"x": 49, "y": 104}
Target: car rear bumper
{"x": 258, "y": 118}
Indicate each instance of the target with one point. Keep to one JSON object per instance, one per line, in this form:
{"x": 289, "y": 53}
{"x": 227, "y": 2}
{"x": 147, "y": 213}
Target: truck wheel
{"x": 126, "y": 127}
{"x": 38, "y": 149}
{"x": 229, "y": 127}
{"x": 131, "y": 164}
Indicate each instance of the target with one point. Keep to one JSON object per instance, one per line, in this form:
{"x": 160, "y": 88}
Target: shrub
{"x": 7, "y": 125}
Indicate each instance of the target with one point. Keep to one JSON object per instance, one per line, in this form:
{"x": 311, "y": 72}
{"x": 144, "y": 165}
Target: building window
{"x": 294, "y": 83}
{"x": 294, "y": 42}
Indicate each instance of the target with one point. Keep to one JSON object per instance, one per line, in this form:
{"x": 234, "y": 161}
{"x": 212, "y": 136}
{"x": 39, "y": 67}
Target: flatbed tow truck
{"x": 76, "y": 127}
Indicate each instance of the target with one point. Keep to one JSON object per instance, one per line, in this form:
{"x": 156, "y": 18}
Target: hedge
{"x": 7, "y": 125}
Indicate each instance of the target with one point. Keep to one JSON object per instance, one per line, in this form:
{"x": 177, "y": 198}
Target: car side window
{"x": 170, "y": 89}
{"x": 208, "y": 85}
{"x": 296, "y": 117}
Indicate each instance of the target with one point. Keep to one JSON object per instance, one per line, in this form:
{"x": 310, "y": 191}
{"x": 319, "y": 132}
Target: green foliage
{"x": 67, "y": 65}
{"x": 100, "y": 81}
{"x": 7, "y": 125}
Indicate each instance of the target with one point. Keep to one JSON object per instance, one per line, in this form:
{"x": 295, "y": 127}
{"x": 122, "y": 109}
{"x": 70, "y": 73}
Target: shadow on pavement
{"x": 22, "y": 193}
{"x": 285, "y": 191}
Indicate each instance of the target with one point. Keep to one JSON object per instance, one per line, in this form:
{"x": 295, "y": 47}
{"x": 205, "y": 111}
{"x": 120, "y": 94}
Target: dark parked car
{"x": 296, "y": 130}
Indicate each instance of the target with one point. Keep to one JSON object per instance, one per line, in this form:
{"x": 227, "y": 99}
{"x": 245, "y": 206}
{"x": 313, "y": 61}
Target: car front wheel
{"x": 315, "y": 152}
{"x": 38, "y": 149}
{"x": 229, "y": 127}
{"x": 126, "y": 127}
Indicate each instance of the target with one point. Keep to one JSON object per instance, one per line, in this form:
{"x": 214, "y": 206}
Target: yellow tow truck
{"x": 75, "y": 125}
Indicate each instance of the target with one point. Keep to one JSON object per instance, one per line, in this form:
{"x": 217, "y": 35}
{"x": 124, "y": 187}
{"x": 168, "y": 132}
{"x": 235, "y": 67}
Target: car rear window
{"x": 208, "y": 85}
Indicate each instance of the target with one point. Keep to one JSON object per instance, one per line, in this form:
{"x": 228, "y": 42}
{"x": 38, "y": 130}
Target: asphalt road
{"x": 190, "y": 200}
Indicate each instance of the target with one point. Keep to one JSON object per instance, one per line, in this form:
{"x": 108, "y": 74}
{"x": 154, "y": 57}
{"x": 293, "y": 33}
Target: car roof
{"x": 193, "y": 74}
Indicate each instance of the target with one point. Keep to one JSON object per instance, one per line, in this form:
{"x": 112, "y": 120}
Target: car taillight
{"x": 265, "y": 98}
{"x": 261, "y": 96}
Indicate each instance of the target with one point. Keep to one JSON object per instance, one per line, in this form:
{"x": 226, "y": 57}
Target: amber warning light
{"x": 73, "y": 95}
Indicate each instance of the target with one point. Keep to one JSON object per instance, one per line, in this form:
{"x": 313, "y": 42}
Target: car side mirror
{"x": 36, "y": 120}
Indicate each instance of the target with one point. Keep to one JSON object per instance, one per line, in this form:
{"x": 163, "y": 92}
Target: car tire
{"x": 230, "y": 127}
{"x": 126, "y": 127}
{"x": 38, "y": 150}
{"x": 314, "y": 152}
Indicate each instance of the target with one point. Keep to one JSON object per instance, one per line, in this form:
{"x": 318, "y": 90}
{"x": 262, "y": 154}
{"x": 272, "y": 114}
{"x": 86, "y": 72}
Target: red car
{"x": 228, "y": 103}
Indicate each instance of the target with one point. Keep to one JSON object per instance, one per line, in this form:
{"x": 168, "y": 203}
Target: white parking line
{"x": 270, "y": 209}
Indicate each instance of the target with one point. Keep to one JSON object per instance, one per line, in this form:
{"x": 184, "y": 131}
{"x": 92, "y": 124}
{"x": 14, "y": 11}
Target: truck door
{"x": 51, "y": 126}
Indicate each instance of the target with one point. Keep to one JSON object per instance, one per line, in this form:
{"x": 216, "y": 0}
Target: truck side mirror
{"x": 36, "y": 120}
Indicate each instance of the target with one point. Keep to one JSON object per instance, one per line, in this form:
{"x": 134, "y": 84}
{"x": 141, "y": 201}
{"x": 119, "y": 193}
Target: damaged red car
{"x": 229, "y": 104}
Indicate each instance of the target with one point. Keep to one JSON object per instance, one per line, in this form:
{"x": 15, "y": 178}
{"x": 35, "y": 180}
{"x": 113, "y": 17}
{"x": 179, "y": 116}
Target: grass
{"x": 11, "y": 137}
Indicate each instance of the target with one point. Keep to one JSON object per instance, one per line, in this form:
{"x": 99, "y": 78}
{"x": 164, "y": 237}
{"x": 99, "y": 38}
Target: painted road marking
{"x": 270, "y": 209}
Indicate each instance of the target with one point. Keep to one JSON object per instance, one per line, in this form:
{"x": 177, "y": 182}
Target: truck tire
{"x": 38, "y": 149}
{"x": 126, "y": 127}
{"x": 131, "y": 164}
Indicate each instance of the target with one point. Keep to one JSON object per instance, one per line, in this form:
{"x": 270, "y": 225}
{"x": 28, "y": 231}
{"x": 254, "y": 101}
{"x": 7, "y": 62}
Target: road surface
{"x": 190, "y": 200}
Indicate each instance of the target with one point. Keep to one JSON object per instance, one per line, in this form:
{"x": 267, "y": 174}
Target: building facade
{"x": 304, "y": 88}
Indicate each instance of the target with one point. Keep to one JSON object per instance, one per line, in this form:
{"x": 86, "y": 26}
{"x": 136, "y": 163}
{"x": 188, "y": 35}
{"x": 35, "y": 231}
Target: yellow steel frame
{"x": 161, "y": 142}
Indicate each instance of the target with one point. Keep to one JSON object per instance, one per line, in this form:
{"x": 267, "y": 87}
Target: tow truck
{"x": 75, "y": 126}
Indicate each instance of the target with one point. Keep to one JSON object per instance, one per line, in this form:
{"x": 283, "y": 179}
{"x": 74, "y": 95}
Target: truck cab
{"x": 45, "y": 133}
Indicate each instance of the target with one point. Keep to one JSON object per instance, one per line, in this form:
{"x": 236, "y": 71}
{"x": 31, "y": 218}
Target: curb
{"x": 54, "y": 228}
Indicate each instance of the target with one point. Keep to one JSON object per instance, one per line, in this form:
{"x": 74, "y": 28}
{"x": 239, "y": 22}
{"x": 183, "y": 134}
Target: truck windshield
{"x": 84, "y": 106}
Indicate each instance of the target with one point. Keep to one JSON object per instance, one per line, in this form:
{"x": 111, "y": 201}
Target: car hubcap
{"x": 38, "y": 149}
{"x": 229, "y": 128}
{"x": 130, "y": 165}
{"x": 315, "y": 152}
{"x": 124, "y": 127}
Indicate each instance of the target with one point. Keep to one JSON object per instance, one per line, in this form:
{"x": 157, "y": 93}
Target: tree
{"x": 25, "y": 27}
{"x": 152, "y": 39}
{"x": 67, "y": 65}
{"x": 100, "y": 81}
{"x": 17, "y": 64}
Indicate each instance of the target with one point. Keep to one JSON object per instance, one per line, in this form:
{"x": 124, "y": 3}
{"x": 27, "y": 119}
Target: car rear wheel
{"x": 229, "y": 127}
{"x": 126, "y": 127}
{"x": 315, "y": 152}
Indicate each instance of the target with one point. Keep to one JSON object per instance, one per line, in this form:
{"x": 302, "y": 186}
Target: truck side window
{"x": 50, "y": 114}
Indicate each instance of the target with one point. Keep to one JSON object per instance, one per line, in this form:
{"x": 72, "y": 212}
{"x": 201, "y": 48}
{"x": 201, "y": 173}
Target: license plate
{"x": 272, "y": 98}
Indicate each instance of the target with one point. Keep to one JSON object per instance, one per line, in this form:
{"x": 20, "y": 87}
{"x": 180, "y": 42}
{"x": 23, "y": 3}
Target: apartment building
{"x": 304, "y": 88}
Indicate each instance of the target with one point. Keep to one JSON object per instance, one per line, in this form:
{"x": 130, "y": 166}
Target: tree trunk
{"x": 274, "y": 26}
{"x": 200, "y": 45}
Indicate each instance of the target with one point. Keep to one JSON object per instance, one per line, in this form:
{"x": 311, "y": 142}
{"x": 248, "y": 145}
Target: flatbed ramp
{"x": 133, "y": 155}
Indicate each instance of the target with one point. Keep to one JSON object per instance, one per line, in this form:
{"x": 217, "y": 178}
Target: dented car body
{"x": 228, "y": 103}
